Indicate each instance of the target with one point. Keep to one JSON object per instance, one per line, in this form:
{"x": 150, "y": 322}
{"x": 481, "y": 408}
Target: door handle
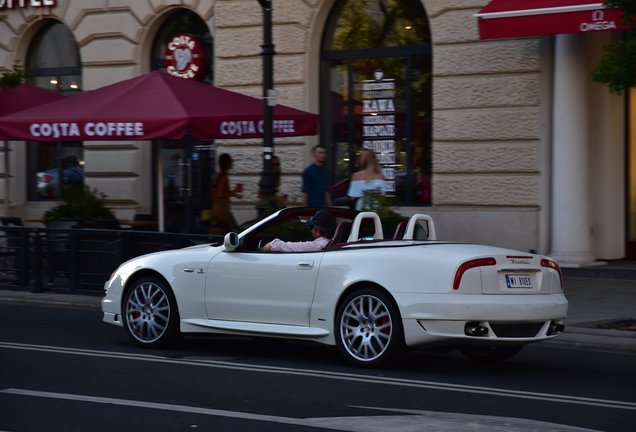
{"x": 305, "y": 265}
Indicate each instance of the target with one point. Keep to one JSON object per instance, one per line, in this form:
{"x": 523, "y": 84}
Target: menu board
{"x": 378, "y": 124}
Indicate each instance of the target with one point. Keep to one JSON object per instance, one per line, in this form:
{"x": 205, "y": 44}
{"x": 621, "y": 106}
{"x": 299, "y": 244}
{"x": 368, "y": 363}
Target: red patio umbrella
{"x": 24, "y": 96}
{"x": 154, "y": 106}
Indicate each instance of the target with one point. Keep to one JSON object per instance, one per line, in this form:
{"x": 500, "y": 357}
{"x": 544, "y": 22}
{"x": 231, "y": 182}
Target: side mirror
{"x": 230, "y": 241}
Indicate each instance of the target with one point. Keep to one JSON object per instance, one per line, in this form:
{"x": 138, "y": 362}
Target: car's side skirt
{"x": 250, "y": 328}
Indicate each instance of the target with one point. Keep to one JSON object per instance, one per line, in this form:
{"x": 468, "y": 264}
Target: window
{"x": 54, "y": 166}
{"x": 376, "y": 66}
{"x": 53, "y": 63}
{"x": 53, "y": 60}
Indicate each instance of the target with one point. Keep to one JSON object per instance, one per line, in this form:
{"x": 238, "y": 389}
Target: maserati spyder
{"x": 376, "y": 290}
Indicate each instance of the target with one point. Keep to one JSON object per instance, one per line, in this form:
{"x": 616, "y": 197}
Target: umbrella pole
{"x": 6, "y": 178}
{"x": 189, "y": 212}
{"x": 60, "y": 170}
{"x": 160, "y": 208}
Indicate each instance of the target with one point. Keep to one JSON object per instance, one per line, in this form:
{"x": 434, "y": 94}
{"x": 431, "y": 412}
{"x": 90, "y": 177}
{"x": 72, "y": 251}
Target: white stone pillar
{"x": 571, "y": 230}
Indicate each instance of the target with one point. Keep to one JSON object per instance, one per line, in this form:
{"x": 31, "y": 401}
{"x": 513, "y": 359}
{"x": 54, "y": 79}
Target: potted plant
{"x": 83, "y": 203}
{"x": 376, "y": 201}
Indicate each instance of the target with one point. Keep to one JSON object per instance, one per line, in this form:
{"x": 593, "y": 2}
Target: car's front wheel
{"x": 150, "y": 313}
{"x": 368, "y": 328}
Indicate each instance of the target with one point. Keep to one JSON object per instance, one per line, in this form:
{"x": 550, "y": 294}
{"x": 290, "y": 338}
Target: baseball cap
{"x": 322, "y": 219}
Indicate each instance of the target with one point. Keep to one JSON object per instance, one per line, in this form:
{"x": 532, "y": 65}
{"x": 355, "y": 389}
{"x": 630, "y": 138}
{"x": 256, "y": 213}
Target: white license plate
{"x": 518, "y": 281}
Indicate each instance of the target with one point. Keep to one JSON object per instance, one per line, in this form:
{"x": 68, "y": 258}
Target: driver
{"x": 322, "y": 226}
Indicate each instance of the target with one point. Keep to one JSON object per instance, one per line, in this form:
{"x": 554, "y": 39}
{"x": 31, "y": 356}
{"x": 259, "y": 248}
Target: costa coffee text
{"x": 100, "y": 129}
{"x": 248, "y": 127}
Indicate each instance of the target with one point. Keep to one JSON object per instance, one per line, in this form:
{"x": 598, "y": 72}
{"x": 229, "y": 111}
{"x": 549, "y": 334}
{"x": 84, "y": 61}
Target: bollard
{"x": 36, "y": 282}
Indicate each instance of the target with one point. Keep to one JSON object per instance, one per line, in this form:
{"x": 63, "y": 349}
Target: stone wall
{"x": 486, "y": 126}
{"x": 488, "y": 143}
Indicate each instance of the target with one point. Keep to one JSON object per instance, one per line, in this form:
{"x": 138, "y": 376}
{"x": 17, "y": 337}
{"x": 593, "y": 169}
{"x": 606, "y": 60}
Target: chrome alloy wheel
{"x": 148, "y": 312}
{"x": 366, "y": 328}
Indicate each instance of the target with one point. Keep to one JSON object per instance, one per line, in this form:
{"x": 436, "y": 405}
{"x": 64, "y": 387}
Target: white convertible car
{"x": 369, "y": 293}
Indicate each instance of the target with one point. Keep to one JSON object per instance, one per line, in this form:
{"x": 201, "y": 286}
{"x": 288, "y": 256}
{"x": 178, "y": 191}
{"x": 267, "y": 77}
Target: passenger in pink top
{"x": 322, "y": 226}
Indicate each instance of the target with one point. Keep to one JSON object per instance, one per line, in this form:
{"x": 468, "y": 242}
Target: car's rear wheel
{"x": 490, "y": 353}
{"x": 369, "y": 328}
{"x": 150, "y": 313}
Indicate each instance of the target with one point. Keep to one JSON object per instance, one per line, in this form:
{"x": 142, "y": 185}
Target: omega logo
{"x": 598, "y": 15}
{"x": 184, "y": 57}
{"x": 598, "y": 23}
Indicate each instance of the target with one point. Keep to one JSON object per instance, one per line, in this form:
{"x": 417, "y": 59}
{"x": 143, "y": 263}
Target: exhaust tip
{"x": 473, "y": 328}
{"x": 555, "y": 328}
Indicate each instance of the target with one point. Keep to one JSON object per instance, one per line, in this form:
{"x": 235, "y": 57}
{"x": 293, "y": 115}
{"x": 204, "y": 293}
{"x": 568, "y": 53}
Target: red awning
{"x": 519, "y": 18}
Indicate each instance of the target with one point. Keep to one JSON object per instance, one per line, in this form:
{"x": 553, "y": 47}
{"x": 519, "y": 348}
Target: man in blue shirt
{"x": 73, "y": 174}
{"x": 316, "y": 180}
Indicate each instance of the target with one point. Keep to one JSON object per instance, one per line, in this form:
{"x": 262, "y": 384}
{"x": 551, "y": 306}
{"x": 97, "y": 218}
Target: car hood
{"x": 189, "y": 253}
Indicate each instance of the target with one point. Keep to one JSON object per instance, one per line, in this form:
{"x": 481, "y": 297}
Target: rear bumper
{"x": 443, "y": 319}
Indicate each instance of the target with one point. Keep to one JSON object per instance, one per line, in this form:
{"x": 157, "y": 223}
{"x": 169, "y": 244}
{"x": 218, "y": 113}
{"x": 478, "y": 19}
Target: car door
{"x": 274, "y": 288}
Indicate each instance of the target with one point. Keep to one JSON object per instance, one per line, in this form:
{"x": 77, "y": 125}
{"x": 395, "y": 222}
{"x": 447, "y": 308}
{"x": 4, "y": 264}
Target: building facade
{"x": 505, "y": 141}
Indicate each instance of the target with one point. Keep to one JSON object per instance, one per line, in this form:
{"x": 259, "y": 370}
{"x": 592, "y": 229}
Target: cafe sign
{"x": 23, "y": 4}
{"x": 378, "y": 124}
{"x": 184, "y": 57}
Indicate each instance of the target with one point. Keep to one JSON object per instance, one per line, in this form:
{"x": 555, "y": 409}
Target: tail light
{"x": 464, "y": 267}
{"x": 548, "y": 263}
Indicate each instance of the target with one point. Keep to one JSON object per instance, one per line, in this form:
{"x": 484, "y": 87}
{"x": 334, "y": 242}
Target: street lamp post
{"x": 267, "y": 187}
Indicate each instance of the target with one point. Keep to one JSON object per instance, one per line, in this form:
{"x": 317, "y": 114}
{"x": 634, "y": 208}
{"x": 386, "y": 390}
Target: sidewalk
{"x": 602, "y": 309}
{"x": 602, "y": 305}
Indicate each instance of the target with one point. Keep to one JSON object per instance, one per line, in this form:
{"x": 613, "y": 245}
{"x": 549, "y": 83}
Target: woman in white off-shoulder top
{"x": 369, "y": 177}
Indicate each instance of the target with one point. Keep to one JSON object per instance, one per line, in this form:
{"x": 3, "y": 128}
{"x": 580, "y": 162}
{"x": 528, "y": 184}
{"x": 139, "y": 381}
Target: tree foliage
{"x": 617, "y": 67}
{"x": 380, "y": 23}
{"x": 369, "y": 24}
{"x": 12, "y": 78}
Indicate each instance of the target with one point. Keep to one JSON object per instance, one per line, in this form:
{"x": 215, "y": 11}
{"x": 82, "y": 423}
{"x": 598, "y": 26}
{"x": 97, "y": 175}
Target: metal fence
{"x": 76, "y": 259}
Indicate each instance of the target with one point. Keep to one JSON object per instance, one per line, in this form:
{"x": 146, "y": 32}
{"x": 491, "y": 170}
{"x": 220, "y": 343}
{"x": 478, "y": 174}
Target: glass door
{"x": 186, "y": 184}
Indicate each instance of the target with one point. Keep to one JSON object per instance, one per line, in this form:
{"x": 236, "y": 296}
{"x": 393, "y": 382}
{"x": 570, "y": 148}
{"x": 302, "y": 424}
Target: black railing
{"x": 76, "y": 259}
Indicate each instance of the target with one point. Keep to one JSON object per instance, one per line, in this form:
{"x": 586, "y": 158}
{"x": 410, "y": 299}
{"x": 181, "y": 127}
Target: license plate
{"x": 518, "y": 281}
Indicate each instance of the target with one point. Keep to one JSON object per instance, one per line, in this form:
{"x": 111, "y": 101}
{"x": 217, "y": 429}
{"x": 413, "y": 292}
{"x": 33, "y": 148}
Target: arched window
{"x": 53, "y": 62}
{"x": 376, "y": 75}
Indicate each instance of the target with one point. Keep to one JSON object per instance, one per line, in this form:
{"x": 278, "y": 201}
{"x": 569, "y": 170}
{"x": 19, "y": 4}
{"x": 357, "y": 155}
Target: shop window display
{"x": 376, "y": 61}
{"x": 53, "y": 63}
